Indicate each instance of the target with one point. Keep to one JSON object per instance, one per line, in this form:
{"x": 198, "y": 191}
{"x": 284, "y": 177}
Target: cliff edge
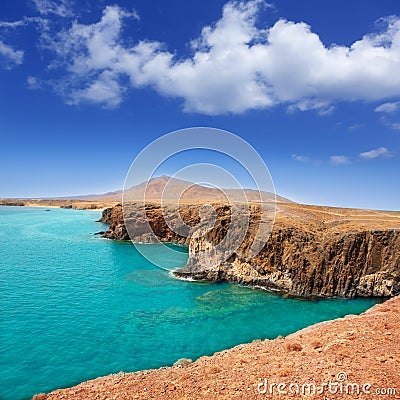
{"x": 311, "y": 251}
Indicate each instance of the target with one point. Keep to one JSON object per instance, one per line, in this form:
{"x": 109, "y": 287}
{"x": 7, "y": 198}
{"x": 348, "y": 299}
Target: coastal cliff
{"x": 311, "y": 251}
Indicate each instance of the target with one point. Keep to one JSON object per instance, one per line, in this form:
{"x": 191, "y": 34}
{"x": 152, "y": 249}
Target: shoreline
{"x": 344, "y": 255}
{"x": 292, "y": 350}
{"x": 255, "y": 286}
{"x": 53, "y": 207}
{"x": 313, "y": 354}
{"x": 65, "y": 204}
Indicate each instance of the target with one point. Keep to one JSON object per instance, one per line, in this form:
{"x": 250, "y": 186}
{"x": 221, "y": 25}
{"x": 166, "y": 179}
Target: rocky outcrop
{"x": 107, "y": 216}
{"x": 141, "y": 218}
{"x": 300, "y": 264}
{"x": 311, "y": 251}
{"x": 12, "y": 203}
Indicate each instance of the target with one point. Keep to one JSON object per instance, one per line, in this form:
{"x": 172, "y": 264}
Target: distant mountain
{"x": 169, "y": 188}
{"x": 109, "y": 196}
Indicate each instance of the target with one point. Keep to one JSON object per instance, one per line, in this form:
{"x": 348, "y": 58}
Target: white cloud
{"x": 62, "y": 8}
{"x": 375, "y": 153}
{"x": 40, "y": 22}
{"x": 301, "y": 158}
{"x": 33, "y": 83}
{"x": 395, "y": 126}
{"x": 105, "y": 89}
{"x": 388, "y": 108}
{"x": 380, "y": 152}
{"x": 95, "y": 60}
{"x": 235, "y": 65}
{"x": 340, "y": 160}
{"x": 9, "y": 57}
{"x": 355, "y": 127}
{"x": 322, "y": 108}
{"x": 390, "y": 123}
{"x": 307, "y": 160}
{"x": 12, "y": 24}
{"x": 389, "y": 111}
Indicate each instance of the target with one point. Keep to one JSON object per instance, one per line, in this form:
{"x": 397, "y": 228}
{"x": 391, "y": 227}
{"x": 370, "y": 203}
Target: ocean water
{"x": 75, "y": 306}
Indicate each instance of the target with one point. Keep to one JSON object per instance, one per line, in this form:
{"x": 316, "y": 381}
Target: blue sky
{"x": 314, "y": 86}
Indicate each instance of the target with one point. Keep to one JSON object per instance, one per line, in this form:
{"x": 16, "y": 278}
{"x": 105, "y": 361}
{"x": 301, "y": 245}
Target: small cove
{"x": 75, "y": 306}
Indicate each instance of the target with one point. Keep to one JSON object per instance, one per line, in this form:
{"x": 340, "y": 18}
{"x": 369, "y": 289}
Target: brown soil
{"x": 335, "y": 220}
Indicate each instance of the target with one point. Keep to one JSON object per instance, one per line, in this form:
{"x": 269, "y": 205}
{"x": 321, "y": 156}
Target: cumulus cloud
{"x": 236, "y": 65}
{"x": 375, "y": 153}
{"x": 95, "y": 60}
{"x": 104, "y": 89}
{"x": 9, "y": 57}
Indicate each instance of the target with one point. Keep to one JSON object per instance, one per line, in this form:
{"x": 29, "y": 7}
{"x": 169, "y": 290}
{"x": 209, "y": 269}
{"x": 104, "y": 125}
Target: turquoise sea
{"x": 75, "y": 306}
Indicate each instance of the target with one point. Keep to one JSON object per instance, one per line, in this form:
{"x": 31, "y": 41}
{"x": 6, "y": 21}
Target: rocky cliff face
{"x": 312, "y": 251}
{"x": 168, "y": 224}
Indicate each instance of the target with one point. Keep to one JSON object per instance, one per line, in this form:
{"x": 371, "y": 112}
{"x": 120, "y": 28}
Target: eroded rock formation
{"x": 312, "y": 251}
